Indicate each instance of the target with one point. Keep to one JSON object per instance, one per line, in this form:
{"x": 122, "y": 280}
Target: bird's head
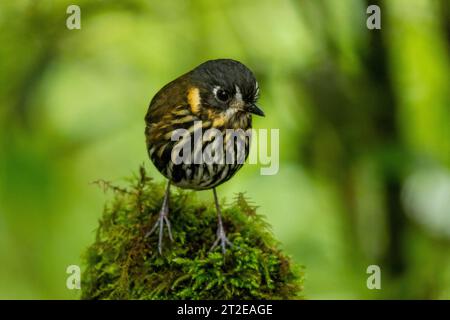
{"x": 228, "y": 87}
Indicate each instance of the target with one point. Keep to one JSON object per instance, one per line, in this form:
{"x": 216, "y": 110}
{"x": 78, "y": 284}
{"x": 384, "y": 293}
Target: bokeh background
{"x": 364, "y": 118}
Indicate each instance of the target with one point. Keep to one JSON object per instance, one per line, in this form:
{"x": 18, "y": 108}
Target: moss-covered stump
{"x": 124, "y": 264}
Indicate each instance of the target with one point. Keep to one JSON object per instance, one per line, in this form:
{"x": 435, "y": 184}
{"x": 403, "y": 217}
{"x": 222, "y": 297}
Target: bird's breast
{"x": 202, "y": 158}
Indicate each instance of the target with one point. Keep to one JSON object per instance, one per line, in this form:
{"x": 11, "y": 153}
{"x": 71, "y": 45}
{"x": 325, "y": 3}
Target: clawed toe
{"x": 224, "y": 242}
{"x": 162, "y": 220}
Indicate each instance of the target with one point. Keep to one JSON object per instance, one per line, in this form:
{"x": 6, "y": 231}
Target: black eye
{"x": 222, "y": 95}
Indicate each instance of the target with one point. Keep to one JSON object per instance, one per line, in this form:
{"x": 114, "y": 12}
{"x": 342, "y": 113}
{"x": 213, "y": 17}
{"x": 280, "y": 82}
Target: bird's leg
{"x": 163, "y": 219}
{"x": 220, "y": 230}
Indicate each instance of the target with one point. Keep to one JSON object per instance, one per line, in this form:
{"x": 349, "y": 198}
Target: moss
{"x": 123, "y": 264}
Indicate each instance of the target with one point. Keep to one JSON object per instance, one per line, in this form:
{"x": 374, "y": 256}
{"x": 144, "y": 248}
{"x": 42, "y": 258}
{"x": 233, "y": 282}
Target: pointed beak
{"x": 253, "y": 108}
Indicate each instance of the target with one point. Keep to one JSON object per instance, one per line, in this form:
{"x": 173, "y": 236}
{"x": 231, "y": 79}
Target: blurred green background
{"x": 364, "y": 118}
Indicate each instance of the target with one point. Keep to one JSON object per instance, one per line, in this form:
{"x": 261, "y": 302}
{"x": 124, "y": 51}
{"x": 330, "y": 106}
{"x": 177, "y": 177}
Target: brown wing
{"x": 168, "y": 110}
{"x": 167, "y": 98}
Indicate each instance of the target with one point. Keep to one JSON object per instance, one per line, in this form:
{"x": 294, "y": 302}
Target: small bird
{"x": 218, "y": 94}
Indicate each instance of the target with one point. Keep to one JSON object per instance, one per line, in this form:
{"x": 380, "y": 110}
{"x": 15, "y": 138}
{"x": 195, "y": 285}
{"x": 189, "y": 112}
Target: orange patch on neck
{"x": 219, "y": 121}
{"x": 194, "y": 99}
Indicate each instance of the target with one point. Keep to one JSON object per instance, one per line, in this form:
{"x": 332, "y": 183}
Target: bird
{"x": 220, "y": 96}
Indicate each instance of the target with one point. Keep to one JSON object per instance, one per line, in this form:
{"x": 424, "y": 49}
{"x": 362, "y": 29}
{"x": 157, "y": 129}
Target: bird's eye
{"x": 222, "y": 95}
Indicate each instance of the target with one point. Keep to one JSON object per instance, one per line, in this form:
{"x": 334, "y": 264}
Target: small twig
{"x": 107, "y": 185}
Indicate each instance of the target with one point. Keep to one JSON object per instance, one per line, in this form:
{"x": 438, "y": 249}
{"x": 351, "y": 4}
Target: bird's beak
{"x": 253, "y": 108}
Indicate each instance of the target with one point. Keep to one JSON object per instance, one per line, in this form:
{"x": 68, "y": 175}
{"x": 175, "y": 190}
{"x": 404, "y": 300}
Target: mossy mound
{"x": 124, "y": 264}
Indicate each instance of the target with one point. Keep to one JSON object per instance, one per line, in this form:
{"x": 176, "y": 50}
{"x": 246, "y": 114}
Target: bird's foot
{"x": 162, "y": 220}
{"x": 222, "y": 238}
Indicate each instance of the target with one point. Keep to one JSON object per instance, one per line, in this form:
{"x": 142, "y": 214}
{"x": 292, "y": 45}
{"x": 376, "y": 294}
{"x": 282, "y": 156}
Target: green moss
{"x": 124, "y": 264}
